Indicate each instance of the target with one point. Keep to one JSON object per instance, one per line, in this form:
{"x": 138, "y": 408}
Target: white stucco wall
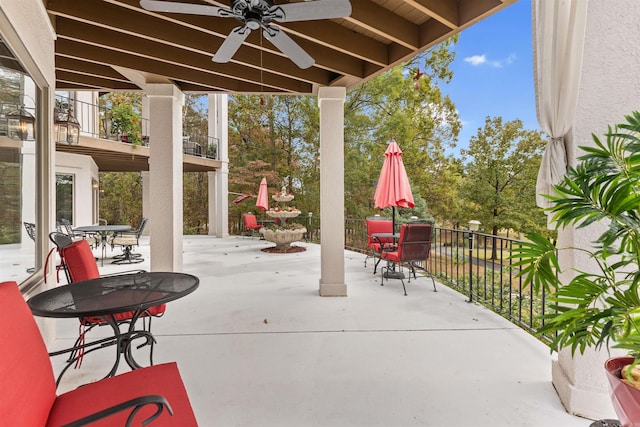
{"x": 609, "y": 90}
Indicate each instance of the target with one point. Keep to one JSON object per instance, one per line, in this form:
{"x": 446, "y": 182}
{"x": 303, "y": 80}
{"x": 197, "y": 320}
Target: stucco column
{"x": 218, "y": 184}
{"x": 610, "y": 61}
{"x": 146, "y": 200}
{"x": 331, "y": 101}
{"x": 165, "y": 176}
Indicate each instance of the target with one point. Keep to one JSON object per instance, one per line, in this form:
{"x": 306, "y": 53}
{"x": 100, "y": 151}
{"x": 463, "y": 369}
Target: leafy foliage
{"x": 595, "y": 308}
{"x": 500, "y": 176}
{"x": 124, "y": 110}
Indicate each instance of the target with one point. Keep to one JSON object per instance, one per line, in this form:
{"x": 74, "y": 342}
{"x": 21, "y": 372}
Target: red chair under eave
{"x": 414, "y": 246}
{"x": 376, "y": 225}
{"x": 28, "y": 396}
{"x": 81, "y": 265}
{"x": 251, "y": 223}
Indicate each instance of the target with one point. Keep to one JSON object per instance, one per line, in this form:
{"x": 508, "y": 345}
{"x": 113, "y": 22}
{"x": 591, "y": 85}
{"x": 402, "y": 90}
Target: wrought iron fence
{"x": 475, "y": 264}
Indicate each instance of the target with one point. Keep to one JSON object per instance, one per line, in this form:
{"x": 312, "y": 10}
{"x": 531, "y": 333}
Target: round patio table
{"x": 105, "y": 297}
{"x": 103, "y": 231}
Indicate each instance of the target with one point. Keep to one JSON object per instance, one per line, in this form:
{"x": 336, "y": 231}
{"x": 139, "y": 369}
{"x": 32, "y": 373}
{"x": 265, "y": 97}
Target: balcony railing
{"x": 94, "y": 121}
{"x": 476, "y": 265}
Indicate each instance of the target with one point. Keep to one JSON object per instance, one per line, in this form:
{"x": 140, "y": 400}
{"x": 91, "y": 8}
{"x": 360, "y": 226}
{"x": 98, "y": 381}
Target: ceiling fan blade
{"x": 287, "y": 46}
{"x": 193, "y": 9}
{"x": 311, "y": 10}
{"x": 231, "y": 45}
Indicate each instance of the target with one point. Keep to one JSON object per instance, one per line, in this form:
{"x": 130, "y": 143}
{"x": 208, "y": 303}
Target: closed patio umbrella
{"x": 263, "y": 198}
{"x": 393, "y": 189}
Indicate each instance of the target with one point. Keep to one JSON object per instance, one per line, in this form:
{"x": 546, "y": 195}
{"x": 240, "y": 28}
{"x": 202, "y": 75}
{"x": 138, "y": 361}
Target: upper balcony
{"x": 116, "y": 152}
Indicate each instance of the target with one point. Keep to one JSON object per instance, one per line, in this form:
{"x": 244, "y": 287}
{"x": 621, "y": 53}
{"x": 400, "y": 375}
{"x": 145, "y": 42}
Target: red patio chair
{"x": 251, "y": 223}
{"x": 414, "y": 246}
{"x": 80, "y": 264}
{"x": 28, "y": 396}
{"x": 377, "y": 224}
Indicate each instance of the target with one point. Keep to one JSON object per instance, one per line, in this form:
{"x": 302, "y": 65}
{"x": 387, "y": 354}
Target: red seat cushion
{"x": 82, "y": 266}
{"x": 80, "y": 261}
{"x": 28, "y": 387}
{"x": 156, "y": 310}
{"x": 161, "y": 380}
{"x": 390, "y": 256}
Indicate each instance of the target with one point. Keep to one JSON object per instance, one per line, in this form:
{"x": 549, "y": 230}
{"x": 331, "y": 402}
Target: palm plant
{"x": 600, "y": 307}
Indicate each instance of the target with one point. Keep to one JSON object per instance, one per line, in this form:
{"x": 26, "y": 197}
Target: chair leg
{"x": 382, "y": 269}
{"x": 375, "y": 267}
{"x": 431, "y": 276}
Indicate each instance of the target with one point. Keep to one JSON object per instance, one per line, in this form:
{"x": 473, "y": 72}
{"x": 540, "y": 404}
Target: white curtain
{"x": 558, "y": 41}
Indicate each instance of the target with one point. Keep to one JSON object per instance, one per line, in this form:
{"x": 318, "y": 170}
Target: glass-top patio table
{"x": 106, "y": 297}
{"x": 103, "y": 231}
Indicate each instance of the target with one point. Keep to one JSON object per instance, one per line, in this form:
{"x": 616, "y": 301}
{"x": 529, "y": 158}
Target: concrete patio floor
{"x": 257, "y": 346}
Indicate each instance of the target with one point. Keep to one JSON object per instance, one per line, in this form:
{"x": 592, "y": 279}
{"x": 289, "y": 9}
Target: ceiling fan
{"x": 255, "y": 14}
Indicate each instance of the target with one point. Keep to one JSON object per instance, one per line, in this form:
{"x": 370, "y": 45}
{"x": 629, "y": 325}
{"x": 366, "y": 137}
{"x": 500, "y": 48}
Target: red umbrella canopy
{"x": 393, "y": 189}
{"x": 263, "y": 197}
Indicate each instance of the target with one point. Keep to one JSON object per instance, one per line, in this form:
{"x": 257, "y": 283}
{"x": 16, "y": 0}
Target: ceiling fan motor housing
{"x": 242, "y": 7}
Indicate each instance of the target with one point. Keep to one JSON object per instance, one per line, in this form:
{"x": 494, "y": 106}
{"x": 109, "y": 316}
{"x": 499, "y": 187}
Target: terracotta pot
{"x": 626, "y": 399}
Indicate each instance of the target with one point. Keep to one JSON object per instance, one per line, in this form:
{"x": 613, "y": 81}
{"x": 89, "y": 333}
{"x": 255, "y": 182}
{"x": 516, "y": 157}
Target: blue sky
{"x": 493, "y": 71}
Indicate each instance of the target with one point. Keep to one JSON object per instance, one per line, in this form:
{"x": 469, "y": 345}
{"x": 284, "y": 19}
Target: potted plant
{"x": 599, "y": 308}
{"x": 125, "y": 122}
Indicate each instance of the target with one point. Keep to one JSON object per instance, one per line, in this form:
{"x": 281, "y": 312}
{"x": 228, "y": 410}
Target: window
{"x": 64, "y": 197}
{"x": 18, "y": 92}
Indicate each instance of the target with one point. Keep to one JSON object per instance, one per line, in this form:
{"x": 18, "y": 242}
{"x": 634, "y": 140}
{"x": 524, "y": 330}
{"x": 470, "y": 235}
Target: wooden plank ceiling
{"x": 116, "y": 45}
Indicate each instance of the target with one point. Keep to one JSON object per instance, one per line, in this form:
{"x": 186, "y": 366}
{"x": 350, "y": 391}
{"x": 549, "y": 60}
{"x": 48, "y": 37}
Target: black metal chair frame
{"x": 415, "y": 247}
{"x": 30, "y": 227}
{"x": 79, "y": 349}
{"x": 127, "y": 255}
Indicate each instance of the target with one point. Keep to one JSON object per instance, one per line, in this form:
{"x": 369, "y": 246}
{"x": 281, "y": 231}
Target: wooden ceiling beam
{"x": 88, "y": 68}
{"x": 324, "y": 32}
{"x": 174, "y": 32}
{"x": 114, "y": 40}
{"x": 472, "y": 11}
{"x": 152, "y": 28}
{"x": 93, "y": 81}
{"x": 77, "y": 85}
{"x": 384, "y": 23}
{"x": 341, "y": 39}
{"x": 75, "y": 49}
{"x": 444, "y": 11}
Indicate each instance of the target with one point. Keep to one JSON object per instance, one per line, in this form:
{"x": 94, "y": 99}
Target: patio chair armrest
{"x": 134, "y": 404}
{"x": 385, "y": 244}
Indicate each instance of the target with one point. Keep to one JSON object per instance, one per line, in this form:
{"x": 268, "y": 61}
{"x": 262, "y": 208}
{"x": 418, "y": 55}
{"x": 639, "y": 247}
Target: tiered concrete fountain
{"x": 284, "y": 234}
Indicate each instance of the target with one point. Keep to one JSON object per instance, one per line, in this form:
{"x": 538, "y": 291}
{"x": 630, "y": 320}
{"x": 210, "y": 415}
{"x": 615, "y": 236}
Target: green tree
{"x": 500, "y": 175}
{"x": 121, "y": 197}
{"x": 276, "y": 137}
{"x": 405, "y": 104}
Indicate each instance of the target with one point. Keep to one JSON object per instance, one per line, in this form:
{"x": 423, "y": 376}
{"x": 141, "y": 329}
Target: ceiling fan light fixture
{"x": 253, "y": 24}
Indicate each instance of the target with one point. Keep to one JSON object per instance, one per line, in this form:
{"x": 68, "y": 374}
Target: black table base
{"x": 123, "y": 344}
{"x": 127, "y": 257}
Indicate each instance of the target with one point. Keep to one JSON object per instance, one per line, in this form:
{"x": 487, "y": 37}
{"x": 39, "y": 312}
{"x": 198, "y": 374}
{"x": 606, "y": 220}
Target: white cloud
{"x": 477, "y": 60}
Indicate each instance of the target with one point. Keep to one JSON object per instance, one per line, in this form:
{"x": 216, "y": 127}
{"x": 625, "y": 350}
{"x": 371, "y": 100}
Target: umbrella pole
{"x": 393, "y": 219}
